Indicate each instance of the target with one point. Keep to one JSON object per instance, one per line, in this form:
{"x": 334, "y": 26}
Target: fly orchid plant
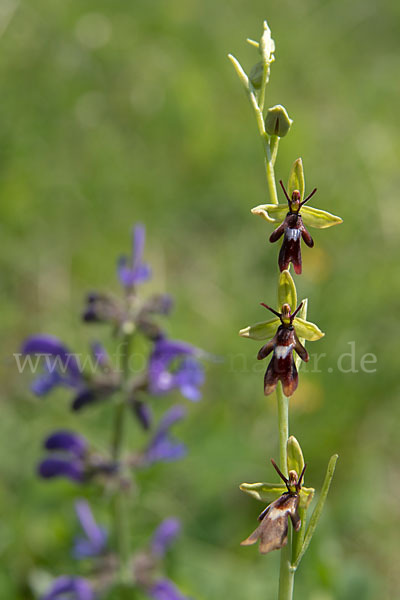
{"x": 285, "y": 334}
{"x": 117, "y": 569}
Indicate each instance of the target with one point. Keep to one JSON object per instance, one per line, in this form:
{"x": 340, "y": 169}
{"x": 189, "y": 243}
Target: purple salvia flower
{"x": 173, "y": 364}
{"x": 95, "y": 540}
{"x": 69, "y": 588}
{"x": 133, "y": 271}
{"x": 61, "y": 366}
{"x": 164, "y": 535}
{"x": 164, "y": 589}
{"x": 67, "y": 441}
{"x": 162, "y": 446}
{"x": 68, "y": 459}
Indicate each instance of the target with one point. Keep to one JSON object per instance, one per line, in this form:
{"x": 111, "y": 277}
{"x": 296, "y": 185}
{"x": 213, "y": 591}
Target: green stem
{"x": 269, "y": 155}
{"x": 120, "y": 504}
{"x": 283, "y": 425}
{"x": 286, "y": 573}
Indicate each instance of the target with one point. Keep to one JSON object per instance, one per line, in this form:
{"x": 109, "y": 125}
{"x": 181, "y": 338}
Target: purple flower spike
{"x": 164, "y": 589}
{"x": 164, "y": 535}
{"x": 162, "y": 447}
{"x": 173, "y": 364}
{"x": 68, "y": 459}
{"x": 71, "y": 588}
{"x": 95, "y": 540}
{"x": 134, "y": 271}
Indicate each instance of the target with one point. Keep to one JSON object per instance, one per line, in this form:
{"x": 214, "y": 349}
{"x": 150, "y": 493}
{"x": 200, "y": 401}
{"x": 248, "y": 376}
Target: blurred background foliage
{"x": 119, "y": 112}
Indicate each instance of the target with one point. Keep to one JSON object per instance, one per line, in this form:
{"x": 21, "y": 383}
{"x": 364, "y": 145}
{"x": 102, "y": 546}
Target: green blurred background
{"x": 112, "y": 113}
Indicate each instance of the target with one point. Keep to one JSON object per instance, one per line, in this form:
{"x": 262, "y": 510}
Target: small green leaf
{"x": 307, "y": 330}
{"x": 296, "y": 179}
{"x": 302, "y": 315}
{"x": 265, "y": 492}
{"x": 286, "y": 291}
{"x": 295, "y": 458}
{"x": 277, "y": 121}
{"x": 261, "y": 331}
{"x": 314, "y": 217}
{"x": 273, "y": 213}
{"x": 317, "y": 510}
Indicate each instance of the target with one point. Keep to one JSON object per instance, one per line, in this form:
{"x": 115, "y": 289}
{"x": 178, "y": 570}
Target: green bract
{"x": 287, "y": 291}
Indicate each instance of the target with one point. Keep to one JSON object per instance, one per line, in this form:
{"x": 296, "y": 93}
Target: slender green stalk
{"x": 121, "y": 497}
{"x": 269, "y": 158}
{"x": 258, "y": 111}
{"x": 286, "y": 574}
{"x": 283, "y": 425}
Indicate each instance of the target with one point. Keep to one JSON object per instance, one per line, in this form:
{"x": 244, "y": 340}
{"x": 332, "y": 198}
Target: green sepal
{"x": 296, "y": 179}
{"x": 295, "y": 458}
{"x": 321, "y": 219}
{"x": 302, "y": 315}
{"x": 261, "y": 331}
{"x": 265, "y": 492}
{"x": 268, "y": 492}
{"x": 273, "y": 213}
{"x": 307, "y": 330}
{"x": 286, "y": 291}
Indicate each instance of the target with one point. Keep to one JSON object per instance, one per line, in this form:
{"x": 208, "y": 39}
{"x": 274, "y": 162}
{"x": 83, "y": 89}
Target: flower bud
{"x": 277, "y": 121}
{"x": 256, "y": 75}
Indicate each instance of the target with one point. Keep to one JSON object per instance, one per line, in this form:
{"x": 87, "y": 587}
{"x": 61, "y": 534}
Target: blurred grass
{"x": 118, "y": 112}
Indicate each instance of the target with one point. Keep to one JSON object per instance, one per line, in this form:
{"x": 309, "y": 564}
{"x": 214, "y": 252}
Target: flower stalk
{"x": 283, "y": 524}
